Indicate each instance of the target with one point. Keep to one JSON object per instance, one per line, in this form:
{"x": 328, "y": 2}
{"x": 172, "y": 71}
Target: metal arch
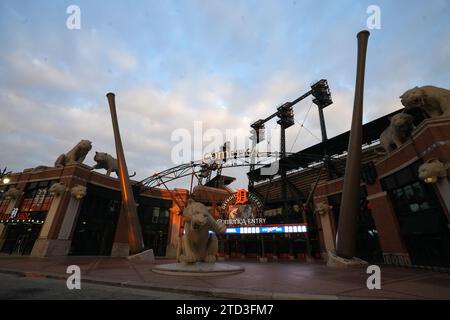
{"x": 194, "y": 168}
{"x": 170, "y": 174}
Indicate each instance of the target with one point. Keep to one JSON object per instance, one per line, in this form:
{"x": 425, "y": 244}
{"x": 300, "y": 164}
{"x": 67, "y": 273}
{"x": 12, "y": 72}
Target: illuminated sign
{"x": 268, "y": 229}
{"x": 14, "y": 212}
{"x": 20, "y": 216}
{"x": 242, "y": 208}
{"x": 241, "y": 196}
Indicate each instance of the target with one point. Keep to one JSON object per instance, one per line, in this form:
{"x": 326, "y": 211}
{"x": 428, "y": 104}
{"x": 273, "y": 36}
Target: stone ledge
{"x": 144, "y": 256}
{"x": 199, "y": 269}
{"x": 335, "y": 261}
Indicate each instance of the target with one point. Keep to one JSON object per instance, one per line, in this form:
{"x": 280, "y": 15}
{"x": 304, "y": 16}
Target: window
{"x": 423, "y": 225}
{"x": 407, "y": 192}
{"x": 164, "y": 216}
{"x": 36, "y": 200}
{"x": 155, "y": 215}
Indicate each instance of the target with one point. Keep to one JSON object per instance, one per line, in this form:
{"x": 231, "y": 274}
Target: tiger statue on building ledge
{"x": 76, "y": 154}
{"x": 106, "y": 161}
{"x": 398, "y": 132}
{"x": 433, "y": 100}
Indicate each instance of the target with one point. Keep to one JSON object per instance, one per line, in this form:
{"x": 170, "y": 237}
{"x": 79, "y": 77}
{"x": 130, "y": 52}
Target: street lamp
{"x": 4, "y": 176}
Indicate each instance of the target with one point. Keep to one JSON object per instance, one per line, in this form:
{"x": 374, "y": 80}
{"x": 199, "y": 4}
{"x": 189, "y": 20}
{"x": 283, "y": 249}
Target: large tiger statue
{"x": 197, "y": 244}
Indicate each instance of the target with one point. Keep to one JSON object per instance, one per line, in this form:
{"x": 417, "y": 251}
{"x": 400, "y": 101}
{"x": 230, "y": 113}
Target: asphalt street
{"x": 15, "y": 287}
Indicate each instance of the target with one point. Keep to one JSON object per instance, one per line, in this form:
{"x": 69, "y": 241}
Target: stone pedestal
{"x": 120, "y": 249}
{"x": 199, "y": 269}
{"x": 171, "y": 252}
{"x": 335, "y": 261}
{"x": 145, "y": 256}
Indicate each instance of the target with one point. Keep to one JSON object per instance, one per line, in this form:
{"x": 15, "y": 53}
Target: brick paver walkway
{"x": 273, "y": 280}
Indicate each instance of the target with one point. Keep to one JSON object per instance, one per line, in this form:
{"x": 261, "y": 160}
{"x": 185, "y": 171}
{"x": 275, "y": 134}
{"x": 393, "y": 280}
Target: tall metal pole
{"x": 135, "y": 240}
{"x": 323, "y": 128}
{"x": 284, "y": 188}
{"x": 325, "y": 142}
{"x": 348, "y": 215}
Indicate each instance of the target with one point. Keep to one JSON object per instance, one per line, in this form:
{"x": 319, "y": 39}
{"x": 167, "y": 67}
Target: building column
{"x": 328, "y": 231}
{"x": 227, "y": 247}
{"x": 274, "y": 247}
{"x": 394, "y": 250}
{"x": 443, "y": 190}
{"x": 2, "y": 234}
{"x": 291, "y": 248}
{"x": 48, "y": 246}
{"x": 69, "y": 222}
{"x": 243, "y": 246}
{"x": 174, "y": 229}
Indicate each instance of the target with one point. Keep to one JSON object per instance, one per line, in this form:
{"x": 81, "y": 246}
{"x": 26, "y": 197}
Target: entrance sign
{"x": 268, "y": 229}
{"x": 242, "y": 208}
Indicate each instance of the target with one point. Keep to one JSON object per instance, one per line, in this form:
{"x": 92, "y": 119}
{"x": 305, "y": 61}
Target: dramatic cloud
{"x": 224, "y": 63}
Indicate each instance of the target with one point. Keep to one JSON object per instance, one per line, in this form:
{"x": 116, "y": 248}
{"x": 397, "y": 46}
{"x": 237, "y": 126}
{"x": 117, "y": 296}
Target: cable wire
{"x": 301, "y": 126}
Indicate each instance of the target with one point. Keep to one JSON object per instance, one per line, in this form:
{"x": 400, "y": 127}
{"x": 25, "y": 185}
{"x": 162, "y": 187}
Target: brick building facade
{"x": 39, "y": 224}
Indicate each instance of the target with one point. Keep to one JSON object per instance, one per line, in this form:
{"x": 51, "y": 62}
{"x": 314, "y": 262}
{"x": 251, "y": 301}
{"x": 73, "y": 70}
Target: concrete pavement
{"x": 18, "y": 287}
{"x": 274, "y": 280}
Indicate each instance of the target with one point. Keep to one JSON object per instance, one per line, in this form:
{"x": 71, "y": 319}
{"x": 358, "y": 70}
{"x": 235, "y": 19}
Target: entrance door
{"x": 20, "y": 238}
{"x": 96, "y": 225}
{"x": 423, "y": 224}
{"x": 154, "y": 218}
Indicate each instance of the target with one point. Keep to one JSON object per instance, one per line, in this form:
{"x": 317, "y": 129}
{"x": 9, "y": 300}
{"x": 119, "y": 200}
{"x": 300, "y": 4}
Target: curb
{"x": 212, "y": 292}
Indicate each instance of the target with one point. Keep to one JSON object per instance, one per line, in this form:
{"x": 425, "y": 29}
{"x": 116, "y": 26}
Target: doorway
{"x": 97, "y": 221}
{"x": 423, "y": 224}
{"x": 20, "y": 238}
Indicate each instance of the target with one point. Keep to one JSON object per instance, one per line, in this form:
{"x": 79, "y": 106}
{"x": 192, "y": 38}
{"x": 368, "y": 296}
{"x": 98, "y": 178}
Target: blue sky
{"x": 226, "y": 63}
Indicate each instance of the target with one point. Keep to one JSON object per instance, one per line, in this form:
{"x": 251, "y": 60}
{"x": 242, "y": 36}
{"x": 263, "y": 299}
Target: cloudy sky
{"x": 225, "y": 63}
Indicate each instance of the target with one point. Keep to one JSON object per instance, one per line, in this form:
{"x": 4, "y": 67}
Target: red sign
{"x": 36, "y": 204}
{"x": 23, "y": 216}
{"x": 20, "y": 216}
{"x": 241, "y": 196}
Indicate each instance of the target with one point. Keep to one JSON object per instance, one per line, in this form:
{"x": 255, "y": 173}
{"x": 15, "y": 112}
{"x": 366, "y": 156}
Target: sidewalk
{"x": 274, "y": 280}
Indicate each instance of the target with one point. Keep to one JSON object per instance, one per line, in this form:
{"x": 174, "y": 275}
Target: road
{"x": 16, "y": 287}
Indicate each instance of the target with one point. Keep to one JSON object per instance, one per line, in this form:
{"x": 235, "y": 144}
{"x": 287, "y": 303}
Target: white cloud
{"x": 238, "y": 69}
